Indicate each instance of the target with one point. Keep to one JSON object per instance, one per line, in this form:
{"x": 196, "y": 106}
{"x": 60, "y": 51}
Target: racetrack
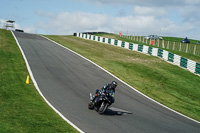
{"x": 66, "y": 79}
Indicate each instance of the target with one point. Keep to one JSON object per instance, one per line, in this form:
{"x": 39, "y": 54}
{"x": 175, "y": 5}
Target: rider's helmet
{"x": 114, "y": 84}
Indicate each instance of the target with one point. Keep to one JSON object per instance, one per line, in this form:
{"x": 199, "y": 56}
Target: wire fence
{"x": 171, "y": 45}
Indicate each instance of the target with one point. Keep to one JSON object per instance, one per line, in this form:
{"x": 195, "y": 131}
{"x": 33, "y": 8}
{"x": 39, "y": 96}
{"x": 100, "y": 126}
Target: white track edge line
{"x": 38, "y": 89}
{"x": 125, "y": 82}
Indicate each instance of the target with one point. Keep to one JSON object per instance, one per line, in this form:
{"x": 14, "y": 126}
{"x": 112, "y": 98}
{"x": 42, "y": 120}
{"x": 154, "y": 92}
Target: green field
{"x": 168, "y": 84}
{"x": 22, "y": 109}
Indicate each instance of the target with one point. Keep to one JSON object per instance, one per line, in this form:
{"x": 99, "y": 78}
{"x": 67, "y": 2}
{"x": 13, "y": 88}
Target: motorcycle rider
{"x": 108, "y": 88}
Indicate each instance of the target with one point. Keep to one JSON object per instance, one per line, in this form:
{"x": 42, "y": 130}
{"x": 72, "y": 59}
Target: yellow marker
{"x": 27, "y": 79}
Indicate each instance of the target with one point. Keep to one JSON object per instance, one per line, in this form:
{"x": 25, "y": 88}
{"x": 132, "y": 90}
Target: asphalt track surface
{"x": 66, "y": 79}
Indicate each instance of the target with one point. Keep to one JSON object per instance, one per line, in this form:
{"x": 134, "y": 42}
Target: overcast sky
{"x": 179, "y": 18}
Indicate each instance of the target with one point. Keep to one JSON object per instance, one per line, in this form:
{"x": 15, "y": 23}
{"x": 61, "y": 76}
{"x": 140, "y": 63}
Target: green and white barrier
{"x": 190, "y": 65}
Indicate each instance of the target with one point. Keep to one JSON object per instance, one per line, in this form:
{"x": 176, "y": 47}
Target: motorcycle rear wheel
{"x": 91, "y": 105}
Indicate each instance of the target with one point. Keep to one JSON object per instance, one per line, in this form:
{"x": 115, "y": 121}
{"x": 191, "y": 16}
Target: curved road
{"x": 66, "y": 80}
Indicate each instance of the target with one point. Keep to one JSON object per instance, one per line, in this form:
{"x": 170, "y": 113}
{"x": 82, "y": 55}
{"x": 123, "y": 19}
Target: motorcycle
{"x": 101, "y": 102}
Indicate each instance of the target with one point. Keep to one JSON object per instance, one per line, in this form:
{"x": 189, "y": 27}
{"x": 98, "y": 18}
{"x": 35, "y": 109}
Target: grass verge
{"x": 22, "y": 109}
{"x": 180, "y": 53}
{"x": 168, "y": 84}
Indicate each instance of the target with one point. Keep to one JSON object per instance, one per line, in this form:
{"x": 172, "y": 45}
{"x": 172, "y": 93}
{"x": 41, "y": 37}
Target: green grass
{"x": 183, "y": 54}
{"x": 168, "y": 84}
{"x": 22, "y": 109}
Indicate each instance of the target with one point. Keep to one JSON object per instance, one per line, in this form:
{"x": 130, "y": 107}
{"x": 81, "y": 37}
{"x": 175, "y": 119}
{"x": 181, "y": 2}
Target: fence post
{"x": 158, "y": 42}
{"x": 163, "y": 44}
{"x": 187, "y": 48}
{"x": 194, "y": 49}
{"x": 168, "y": 45}
{"x": 180, "y": 47}
{"x": 174, "y": 46}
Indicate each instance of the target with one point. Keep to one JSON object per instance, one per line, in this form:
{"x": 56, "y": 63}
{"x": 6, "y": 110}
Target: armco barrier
{"x": 190, "y": 65}
{"x": 197, "y": 69}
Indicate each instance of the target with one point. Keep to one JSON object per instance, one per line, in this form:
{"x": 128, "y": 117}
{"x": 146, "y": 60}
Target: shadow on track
{"x": 113, "y": 112}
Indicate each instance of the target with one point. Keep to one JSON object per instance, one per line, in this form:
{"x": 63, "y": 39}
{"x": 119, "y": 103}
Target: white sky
{"x": 178, "y": 18}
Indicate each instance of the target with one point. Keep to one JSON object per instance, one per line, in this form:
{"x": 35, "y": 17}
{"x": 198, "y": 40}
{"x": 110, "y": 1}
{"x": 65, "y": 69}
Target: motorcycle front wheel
{"x": 103, "y": 108}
